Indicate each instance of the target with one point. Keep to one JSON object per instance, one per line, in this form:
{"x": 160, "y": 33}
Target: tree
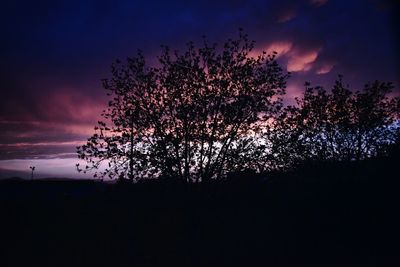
{"x": 338, "y": 125}
{"x": 197, "y": 115}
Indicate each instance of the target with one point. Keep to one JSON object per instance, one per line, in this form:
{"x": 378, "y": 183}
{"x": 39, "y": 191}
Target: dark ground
{"x": 319, "y": 215}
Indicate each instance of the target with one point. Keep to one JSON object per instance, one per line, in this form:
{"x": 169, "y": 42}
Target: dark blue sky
{"x": 54, "y": 54}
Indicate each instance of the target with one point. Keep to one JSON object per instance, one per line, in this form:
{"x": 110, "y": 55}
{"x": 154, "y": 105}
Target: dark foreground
{"x": 320, "y": 215}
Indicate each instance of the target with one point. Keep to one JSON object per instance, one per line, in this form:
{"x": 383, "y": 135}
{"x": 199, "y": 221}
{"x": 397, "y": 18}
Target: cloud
{"x": 50, "y": 71}
{"x": 281, "y": 47}
{"x": 301, "y": 61}
{"x": 52, "y": 119}
{"x": 297, "y": 57}
{"x": 67, "y": 104}
{"x": 25, "y": 139}
{"x": 44, "y": 144}
{"x": 39, "y": 150}
{"x": 325, "y": 68}
{"x": 286, "y": 16}
{"x": 21, "y": 131}
{"x": 318, "y": 3}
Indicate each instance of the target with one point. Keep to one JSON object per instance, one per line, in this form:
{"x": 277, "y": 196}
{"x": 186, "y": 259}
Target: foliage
{"x": 197, "y": 115}
{"x": 340, "y": 125}
{"x": 207, "y": 112}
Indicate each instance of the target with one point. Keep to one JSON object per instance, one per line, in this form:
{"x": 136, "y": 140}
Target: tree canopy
{"x": 195, "y": 115}
{"x": 204, "y": 112}
{"x": 340, "y": 125}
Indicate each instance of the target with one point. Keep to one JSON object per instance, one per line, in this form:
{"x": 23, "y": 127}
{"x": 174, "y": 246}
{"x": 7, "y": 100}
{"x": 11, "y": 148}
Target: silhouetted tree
{"x": 197, "y": 115}
{"x": 337, "y": 125}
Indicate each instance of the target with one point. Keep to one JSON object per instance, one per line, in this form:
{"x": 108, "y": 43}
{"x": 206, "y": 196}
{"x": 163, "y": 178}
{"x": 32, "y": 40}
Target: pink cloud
{"x": 297, "y": 59}
{"x": 301, "y": 61}
{"x": 28, "y": 144}
{"x": 281, "y": 47}
{"x": 34, "y": 132}
{"x": 75, "y": 107}
{"x": 324, "y": 69}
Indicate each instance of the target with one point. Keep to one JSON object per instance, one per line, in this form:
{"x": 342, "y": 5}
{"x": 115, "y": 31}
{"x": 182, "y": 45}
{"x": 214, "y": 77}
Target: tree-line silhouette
{"x": 208, "y": 111}
{"x": 307, "y": 184}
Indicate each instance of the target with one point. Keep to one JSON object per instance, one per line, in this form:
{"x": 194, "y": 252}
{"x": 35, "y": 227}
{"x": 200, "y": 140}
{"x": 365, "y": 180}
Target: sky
{"x": 53, "y": 55}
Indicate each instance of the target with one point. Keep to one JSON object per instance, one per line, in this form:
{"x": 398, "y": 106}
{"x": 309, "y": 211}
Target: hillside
{"x": 323, "y": 214}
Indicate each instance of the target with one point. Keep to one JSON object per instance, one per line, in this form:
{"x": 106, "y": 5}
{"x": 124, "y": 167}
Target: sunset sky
{"x": 54, "y": 54}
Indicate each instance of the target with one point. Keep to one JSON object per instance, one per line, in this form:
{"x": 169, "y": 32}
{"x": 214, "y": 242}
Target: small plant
{"x": 32, "y": 170}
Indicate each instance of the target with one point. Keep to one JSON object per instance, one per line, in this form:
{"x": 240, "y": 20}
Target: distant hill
{"x": 6, "y": 174}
